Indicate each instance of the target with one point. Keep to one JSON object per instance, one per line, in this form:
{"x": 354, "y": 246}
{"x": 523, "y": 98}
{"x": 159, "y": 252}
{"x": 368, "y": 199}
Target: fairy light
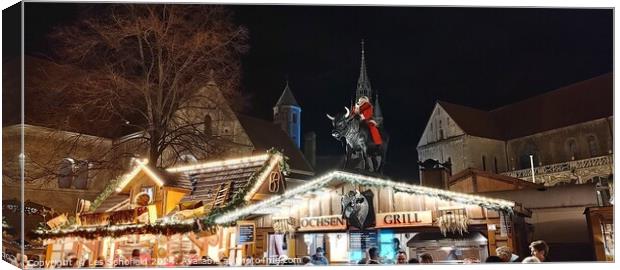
{"x": 217, "y": 165}
{"x": 127, "y": 178}
{"x": 153, "y": 175}
{"x": 275, "y": 159}
{"x": 319, "y": 183}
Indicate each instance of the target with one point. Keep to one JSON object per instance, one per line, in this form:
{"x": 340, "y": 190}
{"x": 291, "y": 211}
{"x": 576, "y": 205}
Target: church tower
{"x": 363, "y": 82}
{"x": 287, "y": 114}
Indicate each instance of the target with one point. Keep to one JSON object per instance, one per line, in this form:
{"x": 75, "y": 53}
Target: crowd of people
{"x": 539, "y": 252}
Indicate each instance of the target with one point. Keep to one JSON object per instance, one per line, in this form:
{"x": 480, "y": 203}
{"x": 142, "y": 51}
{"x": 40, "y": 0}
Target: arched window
{"x": 484, "y": 163}
{"x": 571, "y": 148}
{"x": 495, "y": 164}
{"x": 524, "y": 158}
{"x": 593, "y": 146}
{"x": 81, "y": 175}
{"x": 208, "y": 128}
{"x": 440, "y": 131}
{"x": 65, "y": 173}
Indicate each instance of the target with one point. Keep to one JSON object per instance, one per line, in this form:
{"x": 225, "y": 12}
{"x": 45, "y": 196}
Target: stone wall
{"x": 554, "y": 146}
{"x": 485, "y": 154}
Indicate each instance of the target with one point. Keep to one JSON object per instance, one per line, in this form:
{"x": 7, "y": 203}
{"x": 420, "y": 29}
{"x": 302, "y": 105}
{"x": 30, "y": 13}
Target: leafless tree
{"x": 147, "y": 70}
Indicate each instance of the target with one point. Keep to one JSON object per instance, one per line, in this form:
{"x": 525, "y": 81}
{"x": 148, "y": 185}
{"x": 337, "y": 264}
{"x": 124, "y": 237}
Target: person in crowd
{"x": 224, "y": 261}
{"x": 401, "y": 257}
{"x": 193, "y": 256}
{"x": 319, "y": 258}
{"x": 505, "y": 253}
{"x": 471, "y": 260}
{"x": 135, "y": 258}
{"x": 373, "y": 256}
{"x": 19, "y": 259}
{"x": 493, "y": 259}
{"x": 74, "y": 263}
{"x": 540, "y": 250}
{"x": 100, "y": 262}
{"x": 248, "y": 261}
{"x": 531, "y": 259}
{"x": 306, "y": 260}
{"x": 426, "y": 258}
{"x": 413, "y": 261}
{"x": 396, "y": 247}
{"x": 179, "y": 261}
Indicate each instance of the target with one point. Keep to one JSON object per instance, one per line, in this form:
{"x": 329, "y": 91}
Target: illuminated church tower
{"x": 287, "y": 114}
{"x": 364, "y": 89}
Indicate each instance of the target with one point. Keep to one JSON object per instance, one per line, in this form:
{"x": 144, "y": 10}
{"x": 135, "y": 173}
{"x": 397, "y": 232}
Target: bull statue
{"x": 355, "y": 134}
{"x": 357, "y": 209}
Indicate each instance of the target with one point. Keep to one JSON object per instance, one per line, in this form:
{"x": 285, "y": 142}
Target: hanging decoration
{"x": 453, "y": 221}
{"x": 357, "y": 209}
{"x": 284, "y": 225}
{"x": 123, "y": 222}
{"x": 380, "y": 183}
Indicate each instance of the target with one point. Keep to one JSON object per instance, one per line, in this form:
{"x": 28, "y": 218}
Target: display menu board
{"x": 360, "y": 242}
{"x": 247, "y": 232}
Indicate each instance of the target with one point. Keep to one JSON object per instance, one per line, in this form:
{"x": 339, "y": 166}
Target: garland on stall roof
{"x": 284, "y": 167}
{"x": 162, "y": 226}
{"x": 107, "y": 191}
{"x": 238, "y": 199}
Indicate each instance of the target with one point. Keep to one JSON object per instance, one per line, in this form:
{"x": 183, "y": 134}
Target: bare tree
{"x": 146, "y": 70}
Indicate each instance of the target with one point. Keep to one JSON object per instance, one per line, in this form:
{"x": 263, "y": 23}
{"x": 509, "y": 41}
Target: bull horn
{"x": 346, "y": 115}
{"x": 330, "y": 117}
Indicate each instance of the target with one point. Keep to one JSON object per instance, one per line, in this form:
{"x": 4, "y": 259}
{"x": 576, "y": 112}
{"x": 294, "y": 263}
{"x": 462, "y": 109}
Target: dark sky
{"x": 479, "y": 57}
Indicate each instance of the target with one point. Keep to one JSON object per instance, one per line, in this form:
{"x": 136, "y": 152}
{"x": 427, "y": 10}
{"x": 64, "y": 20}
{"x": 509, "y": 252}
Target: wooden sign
{"x": 57, "y": 221}
{"x": 322, "y": 223}
{"x": 404, "y": 219}
{"x": 246, "y": 233}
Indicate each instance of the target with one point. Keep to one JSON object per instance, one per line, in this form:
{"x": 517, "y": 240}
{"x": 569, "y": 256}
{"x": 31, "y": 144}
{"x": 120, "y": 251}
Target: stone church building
{"x": 566, "y": 134}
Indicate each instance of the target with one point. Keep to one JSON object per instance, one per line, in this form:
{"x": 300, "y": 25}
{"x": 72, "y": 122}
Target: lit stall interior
{"x": 315, "y": 211}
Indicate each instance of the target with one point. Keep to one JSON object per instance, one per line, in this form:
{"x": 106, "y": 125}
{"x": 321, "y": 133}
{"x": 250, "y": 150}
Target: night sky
{"x": 478, "y": 57}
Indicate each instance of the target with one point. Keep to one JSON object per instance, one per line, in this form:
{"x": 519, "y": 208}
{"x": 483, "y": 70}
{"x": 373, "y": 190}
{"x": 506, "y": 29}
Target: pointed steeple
{"x": 287, "y": 98}
{"x": 363, "y": 82}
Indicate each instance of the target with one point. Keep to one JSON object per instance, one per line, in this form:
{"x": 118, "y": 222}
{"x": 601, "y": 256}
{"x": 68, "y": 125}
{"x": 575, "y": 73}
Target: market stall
{"x": 165, "y": 217}
{"x": 346, "y": 213}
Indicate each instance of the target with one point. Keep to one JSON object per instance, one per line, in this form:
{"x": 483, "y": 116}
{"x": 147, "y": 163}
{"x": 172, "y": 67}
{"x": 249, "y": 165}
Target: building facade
{"x": 567, "y": 132}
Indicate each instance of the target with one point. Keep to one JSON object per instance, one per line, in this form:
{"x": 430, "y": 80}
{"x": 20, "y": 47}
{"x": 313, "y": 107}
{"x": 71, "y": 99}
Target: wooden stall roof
{"x": 216, "y": 185}
{"x": 113, "y": 202}
{"x": 337, "y": 178}
{"x": 515, "y": 182}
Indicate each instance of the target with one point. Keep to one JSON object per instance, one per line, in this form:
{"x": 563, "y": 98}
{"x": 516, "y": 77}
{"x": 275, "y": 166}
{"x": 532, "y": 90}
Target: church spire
{"x": 363, "y": 82}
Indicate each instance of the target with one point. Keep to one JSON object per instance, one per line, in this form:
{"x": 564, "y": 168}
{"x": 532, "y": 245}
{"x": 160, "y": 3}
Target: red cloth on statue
{"x": 366, "y": 110}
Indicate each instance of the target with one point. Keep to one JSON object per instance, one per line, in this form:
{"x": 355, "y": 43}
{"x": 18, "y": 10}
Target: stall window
{"x": 338, "y": 247}
{"x": 60, "y": 251}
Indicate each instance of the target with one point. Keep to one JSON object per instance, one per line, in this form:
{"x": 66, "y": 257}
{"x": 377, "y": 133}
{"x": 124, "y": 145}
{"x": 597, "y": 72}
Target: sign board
{"x": 247, "y": 233}
{"x": 360, "y": 242}
{"x": 404, "y": 219}
{"x": 322, "y": 223}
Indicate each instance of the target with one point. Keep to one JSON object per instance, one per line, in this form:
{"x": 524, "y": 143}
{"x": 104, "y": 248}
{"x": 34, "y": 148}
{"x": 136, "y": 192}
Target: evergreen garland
{"x": 161, "y": 227}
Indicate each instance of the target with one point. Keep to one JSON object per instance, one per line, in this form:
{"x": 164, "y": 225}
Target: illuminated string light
{"x": 320, "y": 182}
{"x": 275, "y": 160}
{"x": 218, "y": 165}
{"x": 127, "y": 178}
